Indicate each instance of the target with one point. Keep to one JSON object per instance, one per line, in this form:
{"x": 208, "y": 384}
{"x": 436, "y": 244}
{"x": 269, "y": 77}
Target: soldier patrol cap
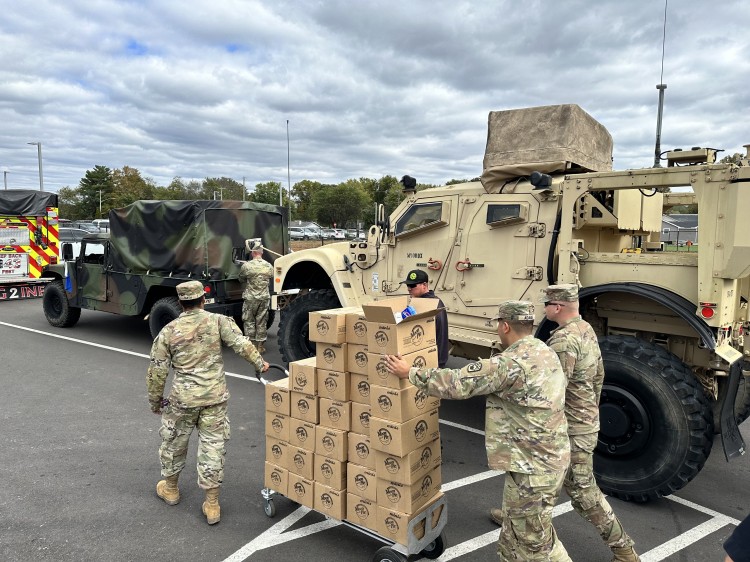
{"x": 256, "y": 247}
{"x": 515, "y": 310}
{"x": 567, "y": 292}
{"x": 415, "y": 277}
{"x": 189, "y": 290}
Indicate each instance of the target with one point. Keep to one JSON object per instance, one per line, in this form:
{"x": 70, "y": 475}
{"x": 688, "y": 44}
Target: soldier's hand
{"x": 265, "y": 367}
{"x": 397, "y": 366}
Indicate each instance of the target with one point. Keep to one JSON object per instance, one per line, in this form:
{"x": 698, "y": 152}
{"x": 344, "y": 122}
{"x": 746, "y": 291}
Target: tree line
{"x": 345, "y": 204}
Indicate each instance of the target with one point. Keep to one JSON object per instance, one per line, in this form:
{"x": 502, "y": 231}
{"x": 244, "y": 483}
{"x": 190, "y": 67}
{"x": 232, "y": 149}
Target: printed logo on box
{"x": 334, "y": 414}
{"x": 392, "y": 465}
{"x": 303, "y": 406}
{"x": 330, "y": 384}
{"x": 363, "y": 451}
{"x": 392, "y": 525}
{"x": 426, "y": 457}
{"x": 426, "y": 485}
{"x": 276, "y": 425}
{"x": 301, "y": 379}
{"x": 363, "y": 387}
{"x": 327, "y": 470}
{"x": 385, "y": 403}
{"x": 381, "y": 338}
{"x": 276, "y": 451}
{"x": 384, "y": 436}
{"x": 364, "y": 419}
{"x": 301, "y": 434}
{"x": 299, "y": 461}
{"x": 276, "y": 477}
{"x": 329, "y": 356}
{"x": 299, "y": 489}
{"x": 417, "y": 334}
{"x": 276, "y": 399}
{"x": 392, "y": 493}
{"x": 420, "y": 431}
{"x": 420, "y": 399}
{"x": 361, "y": 510}
{"x": 327, "y": 500}
{"x": 360, "y": 481}
{"x": 419, "y": 362}
{"x": 322, "y": 327}
{"x": 328, "y": 443}
{"x": 382, "y": 370}
{"x": 360, "y": 358}
{"x": 360, "y": 329}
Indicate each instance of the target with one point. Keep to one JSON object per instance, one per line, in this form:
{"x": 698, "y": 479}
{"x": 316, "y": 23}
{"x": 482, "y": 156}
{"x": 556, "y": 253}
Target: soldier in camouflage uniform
{"x": 576, "y": 345}
{"x": 191, "y": 344}
{"x": 526, "y": 433}
{"x": 256, "y": 274}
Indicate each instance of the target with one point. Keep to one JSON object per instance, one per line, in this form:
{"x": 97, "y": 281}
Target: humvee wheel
{"x": 56, "y": 307}
{"x": 162, "y": 313}
{"x": 294, "y": 328}
{"x": 656, "y": 421}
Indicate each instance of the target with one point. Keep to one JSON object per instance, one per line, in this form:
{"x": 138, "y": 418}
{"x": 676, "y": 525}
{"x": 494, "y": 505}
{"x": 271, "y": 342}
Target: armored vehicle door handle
{"x": 434, "y": 265}
{"x": 465, "y": 265}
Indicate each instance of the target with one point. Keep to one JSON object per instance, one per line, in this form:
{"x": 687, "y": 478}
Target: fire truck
{"x": 28, "y": 241}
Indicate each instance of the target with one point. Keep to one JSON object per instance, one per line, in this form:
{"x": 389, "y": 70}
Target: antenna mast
{"x": 661, "y": 87}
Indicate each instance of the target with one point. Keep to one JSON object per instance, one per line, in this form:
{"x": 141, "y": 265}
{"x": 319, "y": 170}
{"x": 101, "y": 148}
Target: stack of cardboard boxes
{"x": 345, "y": 437}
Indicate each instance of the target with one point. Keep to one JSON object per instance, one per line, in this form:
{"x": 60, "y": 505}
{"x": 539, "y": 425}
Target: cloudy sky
{"x": 200, "y": 89}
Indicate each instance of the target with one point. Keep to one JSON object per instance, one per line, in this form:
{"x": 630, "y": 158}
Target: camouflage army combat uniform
{"x": 191, "y": 345}
{"x": 255, "y": 274}
{"x": 576, "y": 345}
{"x": 525, "y": 433}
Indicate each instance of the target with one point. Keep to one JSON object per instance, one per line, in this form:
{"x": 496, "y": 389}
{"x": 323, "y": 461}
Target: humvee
{"x": 549, "y": 209}
{"x": 153, "y": 246}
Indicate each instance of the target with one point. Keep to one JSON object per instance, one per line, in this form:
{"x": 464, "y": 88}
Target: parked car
{"x": 101, "y": 224}
{"x": 339, "y": 234}
{"x": 87, "y": 226}
{"x": 297, "y": 233}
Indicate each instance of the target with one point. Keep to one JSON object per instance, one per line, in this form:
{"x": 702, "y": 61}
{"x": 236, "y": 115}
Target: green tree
{"x": 129, "y": 186}
{"x": 69, "y": 203}
{"x": 223, "y": 188}
{"x": 343, "y": 204}
{"x": 454, "y": 182}
{"x": 735, "y": 158}
{"x": 96, "y": 183}
{"x": 269, "y": 193}
{"x": 302, "y": 199}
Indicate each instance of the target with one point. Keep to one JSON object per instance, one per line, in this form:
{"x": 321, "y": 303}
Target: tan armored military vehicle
{"x": 549, "y": 210}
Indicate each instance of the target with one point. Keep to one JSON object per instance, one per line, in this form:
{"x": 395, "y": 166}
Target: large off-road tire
{"x": 162, "y": 313}
{"x": 56, "y": 307}
{"x": 293, "y": 334}
{"x": 656, "y": 422}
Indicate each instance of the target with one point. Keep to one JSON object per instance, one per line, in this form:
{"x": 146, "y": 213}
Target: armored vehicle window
{"x": 94, "y": 253}
{"x": 500, "y": 215}
{"x": 418, "y": 216}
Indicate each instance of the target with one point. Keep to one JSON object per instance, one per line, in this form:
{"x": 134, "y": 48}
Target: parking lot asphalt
{"x": 80, "y": 464}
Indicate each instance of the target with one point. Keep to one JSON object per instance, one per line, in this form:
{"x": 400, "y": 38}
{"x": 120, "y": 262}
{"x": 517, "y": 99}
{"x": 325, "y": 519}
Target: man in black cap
{"x": 417, "y": 283}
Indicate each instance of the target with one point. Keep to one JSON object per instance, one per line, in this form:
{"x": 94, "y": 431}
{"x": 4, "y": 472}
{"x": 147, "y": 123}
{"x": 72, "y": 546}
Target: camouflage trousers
{"x": 255, "y": 317}
{"x": 585, "y": 495}
{"x": 213, "y": 432}
{"x": 527, "y": 532}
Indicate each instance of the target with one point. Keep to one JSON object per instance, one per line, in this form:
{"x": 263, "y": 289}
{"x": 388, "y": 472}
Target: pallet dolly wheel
{"x": 387, "y": 554}
{"x": 435, "y": 549}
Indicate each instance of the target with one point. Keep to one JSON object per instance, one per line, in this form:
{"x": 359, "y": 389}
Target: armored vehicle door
{"x": 500, "y": 255}
{"x": 425, "y": 234}
{"x": 91, "y": 276}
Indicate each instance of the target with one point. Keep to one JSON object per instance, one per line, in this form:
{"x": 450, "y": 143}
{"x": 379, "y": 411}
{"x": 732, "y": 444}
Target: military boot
{"x": 261, "y": 347}
{"x": 168, "y": 491}
{"x": 624, "y": 554}
{"x": 496, "y": 515}
{"x": 211, "y": 508}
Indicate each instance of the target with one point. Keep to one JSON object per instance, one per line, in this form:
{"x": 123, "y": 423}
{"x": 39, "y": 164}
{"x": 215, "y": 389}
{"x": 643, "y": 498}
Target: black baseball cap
{"x": 416, "y": 276}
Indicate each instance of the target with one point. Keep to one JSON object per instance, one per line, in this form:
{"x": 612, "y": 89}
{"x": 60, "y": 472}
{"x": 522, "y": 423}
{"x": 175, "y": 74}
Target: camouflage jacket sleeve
{"x": 232, "y": 336}
{"x": 158, "y": 369}
{"x": 475, "y": 379}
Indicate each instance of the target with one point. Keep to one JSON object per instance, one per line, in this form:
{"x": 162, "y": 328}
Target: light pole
{"x": 5, "y": 178}
{"x": 39, "y": 155}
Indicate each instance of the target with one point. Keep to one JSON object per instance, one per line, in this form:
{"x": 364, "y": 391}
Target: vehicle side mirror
{"x": 67, "y": 251}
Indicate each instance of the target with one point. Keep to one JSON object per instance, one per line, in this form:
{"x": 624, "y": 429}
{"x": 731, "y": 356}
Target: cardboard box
{"x": 360, "y": 418}
{"x": 388, "y": 334}
{"x": 411, "y": 467}
{"x": 362, "y": 480}
{"x": 359, "y": 388}
{"x": 302, "y": 434}
{"x": 330, "y": 502}
{"x": 277, "y": 478}
{"x": 361, "y": 511}
{"x": 356, "y": 359}
{"x": 331, "y": 356}
{"x": 301, "y": 490}
{"x": 336, "y": 414}
{"x": 302, "y": 376}
{"x": 331, "y": 443}
{"x": 408, "y": 498}
{"x": 330, "y": 472}
{"x": 301, "y": 461}
{"x": 377, "y": 373}
{"x": 277, "y": 396}
{"x": 277, "y": 426}
{"x": 356, "y": 327}
{"x": 329, "y": 326}
{"x": 304, "y": 406}
{"x": 400, "y": 404}
{"x": 394, "y": 525}
{"x": 332, "y": 384}
{"x": 402, "y": 438}
{"x": 359, "y": 450}
{"x": 277, "y": 452}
